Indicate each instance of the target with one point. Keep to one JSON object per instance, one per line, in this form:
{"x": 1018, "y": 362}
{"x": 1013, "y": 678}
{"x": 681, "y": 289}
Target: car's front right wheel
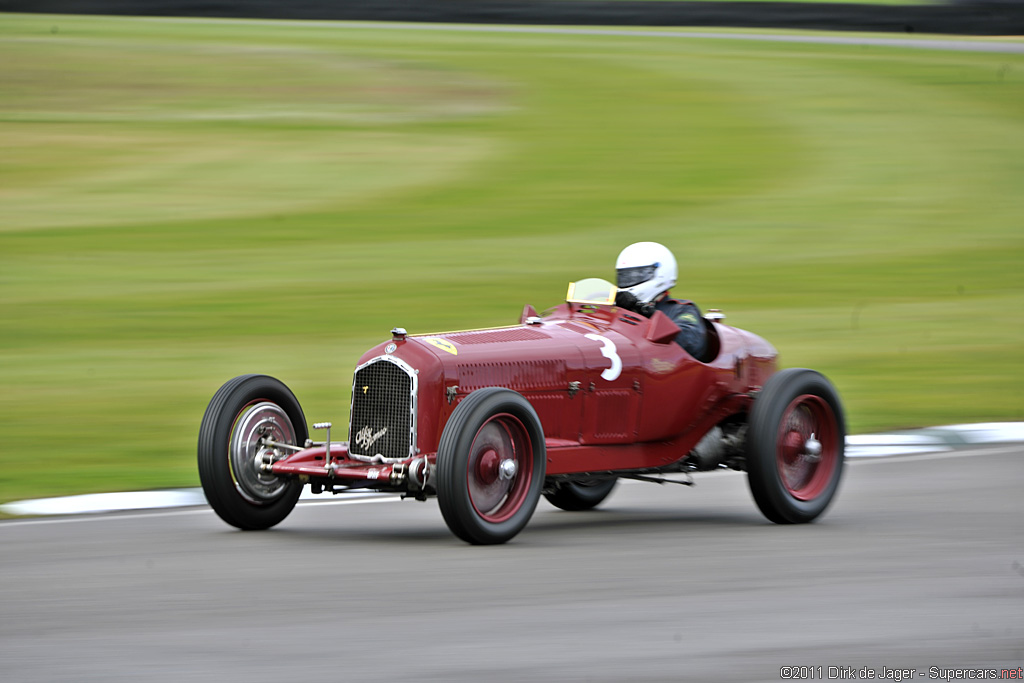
{"x": 490, "y": 466}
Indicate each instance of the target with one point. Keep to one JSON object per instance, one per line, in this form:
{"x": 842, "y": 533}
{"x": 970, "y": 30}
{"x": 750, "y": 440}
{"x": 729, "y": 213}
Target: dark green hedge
{"x": 979, "y": 17}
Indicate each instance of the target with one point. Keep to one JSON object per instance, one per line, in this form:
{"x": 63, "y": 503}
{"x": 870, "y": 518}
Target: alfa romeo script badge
{"x": 366, "y": 437}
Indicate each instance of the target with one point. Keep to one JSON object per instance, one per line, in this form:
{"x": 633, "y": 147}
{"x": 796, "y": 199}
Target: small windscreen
{"x": 593, "y": 290}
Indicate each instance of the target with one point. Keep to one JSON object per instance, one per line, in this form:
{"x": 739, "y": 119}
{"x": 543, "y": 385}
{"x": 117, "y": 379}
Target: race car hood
{"x": 523, "y": 358}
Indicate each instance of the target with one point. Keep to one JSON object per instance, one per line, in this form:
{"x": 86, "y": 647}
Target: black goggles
{"x": 628, "y": 277}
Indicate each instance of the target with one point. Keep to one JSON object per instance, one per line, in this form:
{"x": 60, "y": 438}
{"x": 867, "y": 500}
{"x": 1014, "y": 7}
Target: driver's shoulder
{"x": 679, "y": 308}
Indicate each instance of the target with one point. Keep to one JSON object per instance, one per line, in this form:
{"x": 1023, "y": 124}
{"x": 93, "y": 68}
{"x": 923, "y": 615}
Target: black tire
{"x": 580, "y": 495}
{"x": 795, "y": 446}
{"x": 238, "y": 492}
{"x": 482, "y": 500}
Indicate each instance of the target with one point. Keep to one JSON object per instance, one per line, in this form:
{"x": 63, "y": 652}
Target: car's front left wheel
{"x": 581, "y": 495}
{"x": 245, "y": 414}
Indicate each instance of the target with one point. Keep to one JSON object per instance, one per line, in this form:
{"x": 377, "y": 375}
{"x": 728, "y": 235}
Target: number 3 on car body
{"x": 609, "y": 351}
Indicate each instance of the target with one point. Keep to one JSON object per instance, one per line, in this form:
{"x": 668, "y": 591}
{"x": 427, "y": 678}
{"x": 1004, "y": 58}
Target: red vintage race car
{"x": 561, "y": 405}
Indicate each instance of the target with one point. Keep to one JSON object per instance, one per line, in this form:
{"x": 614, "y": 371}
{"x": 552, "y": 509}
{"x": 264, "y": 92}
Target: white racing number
{"x": 608, "y": 351}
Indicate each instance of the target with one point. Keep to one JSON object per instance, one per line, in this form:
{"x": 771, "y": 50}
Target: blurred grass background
{"x": 186, "y": 201}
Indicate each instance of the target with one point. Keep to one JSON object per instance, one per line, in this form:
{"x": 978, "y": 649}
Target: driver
{"x": 645, "y": 271}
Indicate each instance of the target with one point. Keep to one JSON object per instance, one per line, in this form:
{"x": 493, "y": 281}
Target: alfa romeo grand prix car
{"x": 560, "y": 406}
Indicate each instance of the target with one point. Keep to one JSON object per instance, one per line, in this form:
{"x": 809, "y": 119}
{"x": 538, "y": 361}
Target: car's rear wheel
{"x": 795, "y": 446}
{"x": 490, "y": 466}
{"x": 580, "y": 495}
{"x": 244, "y": 412}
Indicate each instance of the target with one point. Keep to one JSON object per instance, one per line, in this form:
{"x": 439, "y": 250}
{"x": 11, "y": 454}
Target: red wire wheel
{"x": 501, "y": 450}
{"x": 490, "y": 466}
{"x": 806, "y": 452}
{"x": 795, "y": 446}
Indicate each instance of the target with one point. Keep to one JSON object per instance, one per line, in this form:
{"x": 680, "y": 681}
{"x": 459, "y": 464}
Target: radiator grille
{"x": 383, "y": 410}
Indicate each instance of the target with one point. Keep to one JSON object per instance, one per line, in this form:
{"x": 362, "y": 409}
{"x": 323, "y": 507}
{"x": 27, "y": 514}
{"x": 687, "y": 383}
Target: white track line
{"x": 113, "y": 516}
{"x": 962, "y": 453}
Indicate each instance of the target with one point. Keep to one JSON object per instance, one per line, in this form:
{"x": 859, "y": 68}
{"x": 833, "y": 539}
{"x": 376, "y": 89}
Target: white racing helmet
{"x": 645, "y": 270}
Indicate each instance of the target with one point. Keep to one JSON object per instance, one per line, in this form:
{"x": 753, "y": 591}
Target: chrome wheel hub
{"x": 249, "y": 456}
{"x": 812, "y": 449}
{"x": 507, "y": 469}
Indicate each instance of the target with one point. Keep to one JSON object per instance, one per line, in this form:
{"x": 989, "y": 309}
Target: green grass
{"x": 184, "y": 201}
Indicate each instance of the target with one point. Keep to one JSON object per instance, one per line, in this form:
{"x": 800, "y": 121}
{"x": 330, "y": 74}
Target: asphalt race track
{"x": 919, "y": 564}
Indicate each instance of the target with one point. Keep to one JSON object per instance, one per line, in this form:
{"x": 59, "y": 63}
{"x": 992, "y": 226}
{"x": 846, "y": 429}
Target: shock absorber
{"x": 327, "y": 455}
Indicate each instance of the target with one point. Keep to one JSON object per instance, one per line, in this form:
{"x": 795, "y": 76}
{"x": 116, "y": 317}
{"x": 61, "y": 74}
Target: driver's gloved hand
{"x": 629, "y": 301}
{"x": 626, "y": 300}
